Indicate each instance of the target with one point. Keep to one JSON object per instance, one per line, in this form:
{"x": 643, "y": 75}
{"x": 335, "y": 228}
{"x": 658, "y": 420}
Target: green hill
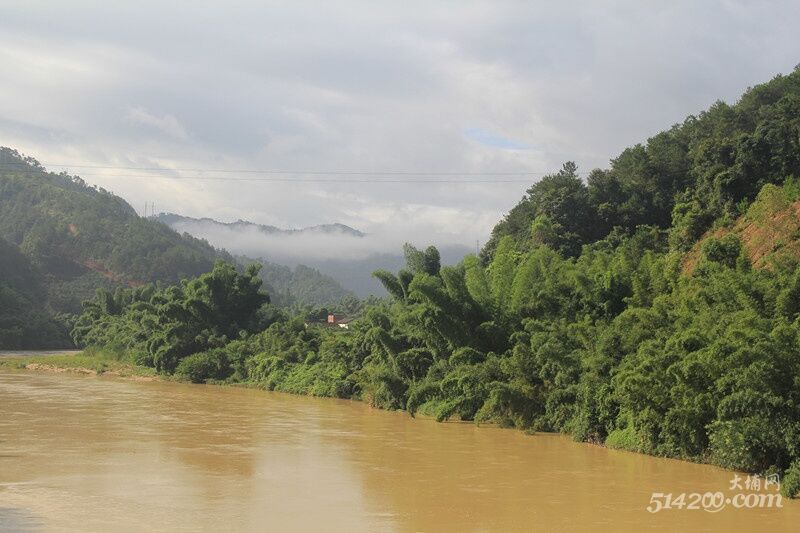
{"x": 24, "y": 320}
{"x": 702, "y": 172}
{"x": 81, "y": 237}
{"x": 301, "y": 285}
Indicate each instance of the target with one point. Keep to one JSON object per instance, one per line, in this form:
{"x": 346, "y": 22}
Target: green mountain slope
{"x": 301, "y": 285}
{"x": 769, "y": 231}
{"x": 688, "y": 178}
{"x": 81, "y": 237}
{"x": 24, "y": 320}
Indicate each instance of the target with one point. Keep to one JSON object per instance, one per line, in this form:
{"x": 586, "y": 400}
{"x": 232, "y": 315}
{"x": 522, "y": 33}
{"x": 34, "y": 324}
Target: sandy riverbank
{"x": 74, "y": 362}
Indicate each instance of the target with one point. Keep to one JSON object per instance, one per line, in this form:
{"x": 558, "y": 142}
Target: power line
{"x": 301, "y": 180}
{"x": 332, "y": 178}
{"x": 338, "y": 172}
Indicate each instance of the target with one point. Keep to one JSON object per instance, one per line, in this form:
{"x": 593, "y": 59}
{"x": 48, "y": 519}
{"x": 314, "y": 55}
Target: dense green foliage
{"x": 299, "y": 286}
{"x": 160, "y": 327}
{"x": 613, "y": 347}
{"x": 791, "y": 481}
{"x": 580, "y": 317}
{"x": 24, "y": 320}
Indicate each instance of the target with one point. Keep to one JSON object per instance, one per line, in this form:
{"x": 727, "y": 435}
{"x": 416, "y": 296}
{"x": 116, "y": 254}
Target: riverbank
{"x": 27, "y": 353}
{"x": 99, "y": 363}
{"x": 78, "y": 363}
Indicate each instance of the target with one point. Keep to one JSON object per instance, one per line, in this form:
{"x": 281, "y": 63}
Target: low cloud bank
{"x": 309, "y": 245}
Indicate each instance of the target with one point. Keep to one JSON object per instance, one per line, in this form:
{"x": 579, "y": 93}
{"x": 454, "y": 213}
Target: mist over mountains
{"x": 172, "y": 219}
{"x": 343, "y": 253}
{"x": 286, "y": 246}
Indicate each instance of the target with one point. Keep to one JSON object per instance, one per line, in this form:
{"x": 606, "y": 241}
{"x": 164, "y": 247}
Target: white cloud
{"x": 366, "y": 87}
{"x": 166, "y": 123}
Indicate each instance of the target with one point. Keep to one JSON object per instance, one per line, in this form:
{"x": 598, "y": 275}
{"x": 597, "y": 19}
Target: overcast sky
{"x": 427, "y": 87}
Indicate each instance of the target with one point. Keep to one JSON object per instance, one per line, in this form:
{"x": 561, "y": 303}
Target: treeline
{"x": 686, "y": 179}
{"x": 583, "y": 315}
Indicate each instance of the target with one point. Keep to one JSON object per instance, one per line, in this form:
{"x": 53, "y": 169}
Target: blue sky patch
{"x": 494, "y": 140}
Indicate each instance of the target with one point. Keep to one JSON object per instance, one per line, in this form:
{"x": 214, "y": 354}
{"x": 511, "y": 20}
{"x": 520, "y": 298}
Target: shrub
{"x": 748, "y": 444}
{"x": 466, "y": 356}
{"x": 790, "y": 487}
{"x": 725, "y": 250}
{"x": 200, "y": 367}
{"x": 624, "y": 439}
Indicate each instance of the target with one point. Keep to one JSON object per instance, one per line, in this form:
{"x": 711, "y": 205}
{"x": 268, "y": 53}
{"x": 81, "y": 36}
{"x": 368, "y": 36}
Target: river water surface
{"x": 102, "y": 454}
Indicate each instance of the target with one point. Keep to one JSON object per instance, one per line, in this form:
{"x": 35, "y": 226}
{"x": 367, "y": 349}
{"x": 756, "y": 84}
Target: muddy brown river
{"x": 103, "y": 454}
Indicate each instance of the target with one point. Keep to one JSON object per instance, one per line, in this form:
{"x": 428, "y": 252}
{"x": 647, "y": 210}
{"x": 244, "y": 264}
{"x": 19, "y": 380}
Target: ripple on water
{"x": 18, "y": 521}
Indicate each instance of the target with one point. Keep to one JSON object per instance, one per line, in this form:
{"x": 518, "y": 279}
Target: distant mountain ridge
{"x": 173, "y": 219}
{"x": 337, "y": 251}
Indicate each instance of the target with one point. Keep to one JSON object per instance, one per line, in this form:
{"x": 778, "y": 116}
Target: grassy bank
{"x": 93, "y": 362}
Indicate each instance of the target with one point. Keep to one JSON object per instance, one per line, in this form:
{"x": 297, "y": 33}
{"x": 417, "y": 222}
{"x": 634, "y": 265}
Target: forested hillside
{"x": 629, "y": 310}
{"x": 684, "y": 180}
{"x": 298, "y": 286}
{"x": 80, "y": 237}
{"x": 24, "y": 320}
